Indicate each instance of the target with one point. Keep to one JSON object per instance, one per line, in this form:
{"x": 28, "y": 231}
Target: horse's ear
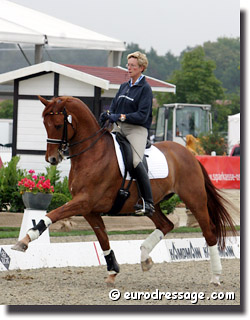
{"x": 43, "y": 100}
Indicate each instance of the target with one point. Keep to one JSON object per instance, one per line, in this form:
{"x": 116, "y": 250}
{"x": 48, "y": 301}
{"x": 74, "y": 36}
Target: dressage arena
{"x": 175, "y": 283}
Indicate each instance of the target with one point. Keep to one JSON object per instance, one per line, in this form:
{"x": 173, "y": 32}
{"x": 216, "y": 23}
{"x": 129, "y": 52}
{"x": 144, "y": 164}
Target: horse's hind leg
{"x": 163, "y": 226}
{"x": 197, "y": 203}
{"x": 97, "y": 224}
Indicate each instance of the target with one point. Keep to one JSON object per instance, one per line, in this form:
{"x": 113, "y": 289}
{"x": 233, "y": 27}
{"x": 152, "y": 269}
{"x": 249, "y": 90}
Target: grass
{"x": 10, "y": 232}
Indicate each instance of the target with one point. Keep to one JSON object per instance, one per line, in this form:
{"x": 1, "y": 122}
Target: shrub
{"x": 213, "y": 142}
{"x": 53, "y": 174}
{"x": 9, "y": 176}
{"x": 57, "y": 201}
{"x": 62, "y": 187}
{"x": 59, "y": 186}
{"x": 16, "y": 202}
{"x": 168, "y": 206}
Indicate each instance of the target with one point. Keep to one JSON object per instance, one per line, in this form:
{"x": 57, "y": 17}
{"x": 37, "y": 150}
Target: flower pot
{"x": 38, "y": 201}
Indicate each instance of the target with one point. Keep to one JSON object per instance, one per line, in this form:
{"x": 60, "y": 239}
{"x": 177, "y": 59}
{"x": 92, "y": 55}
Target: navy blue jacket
{"x": 135, "y": 102}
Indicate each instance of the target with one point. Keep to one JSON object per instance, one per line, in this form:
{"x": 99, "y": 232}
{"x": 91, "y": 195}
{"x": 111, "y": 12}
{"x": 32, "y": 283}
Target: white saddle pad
{"x": 157, "y": 163}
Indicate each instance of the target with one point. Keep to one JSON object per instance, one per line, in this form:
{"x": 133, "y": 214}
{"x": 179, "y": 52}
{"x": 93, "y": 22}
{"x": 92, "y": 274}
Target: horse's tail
{"x": 217, "y": 211}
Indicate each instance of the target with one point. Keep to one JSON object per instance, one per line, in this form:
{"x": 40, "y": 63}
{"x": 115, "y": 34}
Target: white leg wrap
{"x": 149, "y": 244}
{"x": 107, "y": 252}
{"x": 33, "y": 234}
{"x": 47, "y": 221}
{"x": 215, "y": 262}
{"x": 144, "y": 254}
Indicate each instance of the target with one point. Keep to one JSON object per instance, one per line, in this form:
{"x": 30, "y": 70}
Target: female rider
{"x": 131, "y": 113}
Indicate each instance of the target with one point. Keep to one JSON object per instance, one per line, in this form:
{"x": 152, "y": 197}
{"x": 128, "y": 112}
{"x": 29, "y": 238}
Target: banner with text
{"x": 223, "y": 171}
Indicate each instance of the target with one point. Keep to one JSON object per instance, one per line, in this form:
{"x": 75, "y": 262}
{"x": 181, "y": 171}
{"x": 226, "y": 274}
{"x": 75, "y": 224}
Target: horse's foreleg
{"x": 163, "y": 226}
{"x": 69, "y": 209}
{"x": 97, "y": 224}
{"x": 32, "y": 234}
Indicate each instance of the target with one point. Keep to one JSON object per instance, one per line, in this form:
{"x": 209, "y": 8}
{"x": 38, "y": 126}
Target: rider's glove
{"x": 103, "y": 118}
{"x": 114, "y": 117}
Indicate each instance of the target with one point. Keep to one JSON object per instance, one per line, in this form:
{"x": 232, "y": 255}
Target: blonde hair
{"x": 141, "y": 58}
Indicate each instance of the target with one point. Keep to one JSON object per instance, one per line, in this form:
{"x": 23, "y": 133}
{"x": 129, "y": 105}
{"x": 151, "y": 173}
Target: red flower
{"x": 34, "y": 186}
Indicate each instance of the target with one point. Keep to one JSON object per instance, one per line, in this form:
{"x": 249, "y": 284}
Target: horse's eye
{"x": 59, "y": 126}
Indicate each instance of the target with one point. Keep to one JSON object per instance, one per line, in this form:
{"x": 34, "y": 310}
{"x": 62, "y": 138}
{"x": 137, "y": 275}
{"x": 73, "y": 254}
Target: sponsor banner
{"x": 197, "y": 249}
{"x": 223, "y": 171}
{"x": 87, "y": 254}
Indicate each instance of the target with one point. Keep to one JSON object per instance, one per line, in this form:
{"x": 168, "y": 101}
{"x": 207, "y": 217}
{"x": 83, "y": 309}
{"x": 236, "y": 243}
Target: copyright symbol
{"x": 114, "y": 294}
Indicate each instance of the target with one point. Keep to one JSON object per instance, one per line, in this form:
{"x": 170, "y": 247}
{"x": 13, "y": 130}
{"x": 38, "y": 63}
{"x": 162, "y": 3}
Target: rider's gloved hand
{"x": 103, "y": 118}
{"x": 114, "y": 117}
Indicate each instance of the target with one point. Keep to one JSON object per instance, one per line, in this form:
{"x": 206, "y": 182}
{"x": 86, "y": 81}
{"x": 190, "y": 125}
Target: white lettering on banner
{"x": 224, "y": 177}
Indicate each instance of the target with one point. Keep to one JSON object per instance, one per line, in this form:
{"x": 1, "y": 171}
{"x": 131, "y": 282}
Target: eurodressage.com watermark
{"x": 193, "y": 297}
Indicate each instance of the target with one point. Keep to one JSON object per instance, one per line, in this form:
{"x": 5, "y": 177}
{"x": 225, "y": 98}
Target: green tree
{"x": 6, "y": 109}
{"x": 221, "y": 112}
{"x": 234, "y": 100}
{"x": 195, "y": 81}
{"x": 226, "y": 54}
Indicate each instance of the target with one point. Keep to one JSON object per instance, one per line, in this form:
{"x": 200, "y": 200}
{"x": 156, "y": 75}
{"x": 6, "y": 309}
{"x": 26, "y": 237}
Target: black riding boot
{"x": 147, "y": 206}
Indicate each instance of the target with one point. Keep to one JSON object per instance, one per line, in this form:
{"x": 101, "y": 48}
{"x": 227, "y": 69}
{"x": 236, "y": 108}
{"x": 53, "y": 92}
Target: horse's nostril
{"x": 53, "y": 160}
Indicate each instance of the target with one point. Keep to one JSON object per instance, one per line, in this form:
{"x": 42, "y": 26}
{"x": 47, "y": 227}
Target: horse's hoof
{"x": 215, "y": 280}
{"x": 147, "y": 264}
{"x": 110, "y": 280}
{"x": 20, "y": 246}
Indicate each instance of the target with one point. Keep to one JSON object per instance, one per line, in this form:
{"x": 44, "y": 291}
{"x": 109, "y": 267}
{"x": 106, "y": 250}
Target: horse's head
{"x": 59, "y": 124}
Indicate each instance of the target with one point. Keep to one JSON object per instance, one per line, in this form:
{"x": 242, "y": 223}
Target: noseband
{"x": 64, "y": 144}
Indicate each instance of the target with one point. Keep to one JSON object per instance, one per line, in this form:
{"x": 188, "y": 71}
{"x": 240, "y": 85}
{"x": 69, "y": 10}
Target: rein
{"x": 64, "y": 143}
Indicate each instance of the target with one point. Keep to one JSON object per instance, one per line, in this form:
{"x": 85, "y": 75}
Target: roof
{"x": 48, "y": 66}
{"x": 102, "y": 77}
{"x": 117, "y": 75}
{"x": 19, "y": 24}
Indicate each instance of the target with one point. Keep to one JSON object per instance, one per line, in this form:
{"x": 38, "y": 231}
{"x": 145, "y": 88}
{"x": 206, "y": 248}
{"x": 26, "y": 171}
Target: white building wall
{"x": 71, "y": 87}
{"x": 38, "y": 163}
{"x": 31, "y": 133}
{"x": 6, "y": 126}
{"x": 42, "y": 85}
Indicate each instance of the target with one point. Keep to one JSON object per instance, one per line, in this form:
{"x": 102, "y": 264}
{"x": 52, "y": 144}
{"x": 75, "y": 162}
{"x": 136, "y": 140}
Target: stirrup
{"x": 141, "y": 210}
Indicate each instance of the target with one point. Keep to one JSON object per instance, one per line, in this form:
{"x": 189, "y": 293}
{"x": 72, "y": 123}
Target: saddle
{"x": 127, "y": 154}
{"x": 123, "y": 194}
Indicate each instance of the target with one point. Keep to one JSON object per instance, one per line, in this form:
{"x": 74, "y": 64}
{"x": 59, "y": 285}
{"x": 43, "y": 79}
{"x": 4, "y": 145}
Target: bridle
{"x": 64, "y": 144}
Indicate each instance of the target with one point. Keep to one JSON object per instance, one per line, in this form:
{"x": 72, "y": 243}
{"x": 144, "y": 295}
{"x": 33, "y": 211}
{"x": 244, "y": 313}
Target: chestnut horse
{"x": 95, "y": 179}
